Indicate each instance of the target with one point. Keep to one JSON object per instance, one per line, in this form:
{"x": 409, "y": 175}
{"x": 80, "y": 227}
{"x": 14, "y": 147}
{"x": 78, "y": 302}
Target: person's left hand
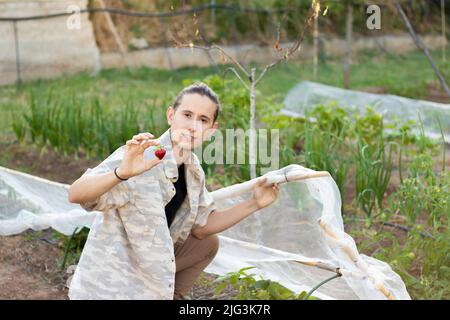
{"x": 265, "y": 195}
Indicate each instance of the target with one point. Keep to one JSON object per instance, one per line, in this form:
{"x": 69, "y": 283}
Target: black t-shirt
{"x": 177, "y": 200}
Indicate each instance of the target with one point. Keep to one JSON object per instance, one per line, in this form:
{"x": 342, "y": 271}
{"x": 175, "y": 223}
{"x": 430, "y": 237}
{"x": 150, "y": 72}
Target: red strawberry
{"x": 160, "y": 153}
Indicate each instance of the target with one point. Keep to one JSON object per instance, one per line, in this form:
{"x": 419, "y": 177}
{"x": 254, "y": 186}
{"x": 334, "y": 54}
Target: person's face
{"x": 193, "y": 120}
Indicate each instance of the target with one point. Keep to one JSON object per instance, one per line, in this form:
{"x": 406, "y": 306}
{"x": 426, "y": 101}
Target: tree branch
{"x": 216, "y": 47}
{"x": 313, "y": 13}
{"x": 421, "y": 46}
{"x": 239, "y": 77}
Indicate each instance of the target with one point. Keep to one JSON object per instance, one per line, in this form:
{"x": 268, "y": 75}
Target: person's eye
{"x": 204, "y": 121}
{"x": 187, "y": 115}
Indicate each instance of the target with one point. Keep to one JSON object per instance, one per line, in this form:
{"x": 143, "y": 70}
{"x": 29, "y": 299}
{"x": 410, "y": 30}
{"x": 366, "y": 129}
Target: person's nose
{"x": 194, "y": 126}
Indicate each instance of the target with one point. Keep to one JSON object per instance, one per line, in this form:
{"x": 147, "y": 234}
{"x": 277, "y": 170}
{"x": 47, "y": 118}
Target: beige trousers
{"x": 191, "y": 258}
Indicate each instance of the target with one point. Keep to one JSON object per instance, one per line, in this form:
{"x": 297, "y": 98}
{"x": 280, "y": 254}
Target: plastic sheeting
{"x": 307, "y": 95}
{"x": 298, "y": 241}
{"x": 29, "y": 202}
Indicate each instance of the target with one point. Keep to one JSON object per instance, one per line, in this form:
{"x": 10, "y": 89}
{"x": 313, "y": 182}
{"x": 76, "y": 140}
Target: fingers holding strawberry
{"x": 142, "y": 141}
{"x": 133, "y": 162}
{"x": 143, "y": 136}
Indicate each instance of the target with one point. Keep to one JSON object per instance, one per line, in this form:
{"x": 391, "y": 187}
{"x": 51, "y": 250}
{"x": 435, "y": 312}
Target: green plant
{"x": 291, "y": 131}
{"x": 409, "y": 199}
{"x": 372, "y": 173}
{"x": 421, "y": 262}
{"x": 19, "y": 127}
{"x": 331, "y": 117}
{"x": 72, "y": 126}
{"x": 249, "y": 288}
{"x": 72, "y": 245}
{"x": 424, "y": 191}
{"x": 325, "y": 149}
{"x": 324, "y": 138}
{"x": 368, "y": 127}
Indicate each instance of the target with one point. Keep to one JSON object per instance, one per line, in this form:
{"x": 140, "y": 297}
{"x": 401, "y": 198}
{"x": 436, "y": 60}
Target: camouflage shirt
{"x": 129, "y": 253}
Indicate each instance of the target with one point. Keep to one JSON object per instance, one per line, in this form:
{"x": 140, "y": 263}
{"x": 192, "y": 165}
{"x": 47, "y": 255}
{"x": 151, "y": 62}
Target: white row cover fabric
{"x": 298, "y": 241}
{"x": 307, "y": 95}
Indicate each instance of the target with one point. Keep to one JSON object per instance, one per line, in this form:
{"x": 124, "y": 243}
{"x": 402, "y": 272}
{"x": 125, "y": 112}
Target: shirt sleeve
{"x": 116, "y": 197}
{"x": 206, "y": 205}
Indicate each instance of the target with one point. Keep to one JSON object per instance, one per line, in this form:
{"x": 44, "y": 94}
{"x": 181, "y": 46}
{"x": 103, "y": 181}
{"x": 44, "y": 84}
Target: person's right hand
{"x": 133, "y": 162}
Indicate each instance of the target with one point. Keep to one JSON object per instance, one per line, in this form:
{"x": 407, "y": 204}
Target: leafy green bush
{"x": 326, "y": 144}
{"x": 249, "y": 288}
{"x": 423, "y": 192}
{"x": 422, "y": 262}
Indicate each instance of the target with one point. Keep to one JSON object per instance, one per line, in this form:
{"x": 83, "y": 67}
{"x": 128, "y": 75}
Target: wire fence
{"x": 274, "y": 20}
{"x": 159, "y": 15}
{"x": 154, "y": 14}
{"x": 277, "y": 16}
